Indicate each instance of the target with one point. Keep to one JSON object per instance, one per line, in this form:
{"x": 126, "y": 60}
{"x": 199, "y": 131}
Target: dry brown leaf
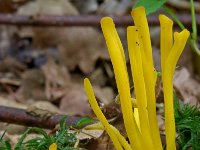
{"x": 187, "y": 86}
{"x": 104, "y": 95}
{"x": 57, "y": 78}
{"x": 82, "y": 48}
{"x": 11, "y": 103}
{"x": 11, "y": 65}
{"x": 187, "y": 60}
{"x": 32, "y": 86}
{"x": 115, "y": 7}
{"x": 89, "y": 134}
{"x": 44, "y": 105}
{"x": 12, "y": 128}
{"x": 38, "y": 7}
{"x": 79, "y": 46}
{"x": 102, "y": 143}
{"x": 75, "y": 102}
{"x": 86, "y": 6}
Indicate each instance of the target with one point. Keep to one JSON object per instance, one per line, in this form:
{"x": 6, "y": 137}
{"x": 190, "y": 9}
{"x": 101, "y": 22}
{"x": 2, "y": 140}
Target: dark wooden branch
{"x": 21, "y": 117}
{"x": 10, "y": 19}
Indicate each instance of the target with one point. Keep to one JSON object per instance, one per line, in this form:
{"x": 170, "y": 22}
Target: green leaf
{"x": 150, "y": 5}
{"x": 84, "y": 121}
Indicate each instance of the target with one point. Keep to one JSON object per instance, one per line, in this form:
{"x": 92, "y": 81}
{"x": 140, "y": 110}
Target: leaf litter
{"x": 54, "y": 82}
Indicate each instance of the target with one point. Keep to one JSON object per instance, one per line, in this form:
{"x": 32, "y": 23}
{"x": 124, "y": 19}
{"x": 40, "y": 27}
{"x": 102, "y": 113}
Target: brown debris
{"x": 75, "y": 102}
{"x": 32, "y": 86}
{"x": 188, "y": 87}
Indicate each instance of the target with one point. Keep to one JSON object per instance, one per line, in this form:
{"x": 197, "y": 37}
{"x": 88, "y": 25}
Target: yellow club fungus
{"x": 121, "y": 76}
{"x": 169, "y": 57}
{"x": 139, "y": 84}
{"x": 141, "y": 23}
{"x": 122, "y": 140}
{"x": 99, "y": 114}
{"x": 53, "y": 146}
{"x": 141, "y": 126}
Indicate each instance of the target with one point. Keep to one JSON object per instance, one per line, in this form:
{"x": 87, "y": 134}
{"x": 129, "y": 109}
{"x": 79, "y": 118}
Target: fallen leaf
{"x": 75, "y": 102}
{"x": 102, "y": 143}
{"x": 9, "y": 102}
{"x": 187, "y": 86}
{"x": 79, "y": 46}
{"x": 115, "y": 7}
{"x": 46, "y": 106}
{"x": 86, "y": 6}
{"x": 32, "y": 86}
{"x": 9, "y": 64}
{"x": 57, "y": 78}
{"x": 89, "y": 134}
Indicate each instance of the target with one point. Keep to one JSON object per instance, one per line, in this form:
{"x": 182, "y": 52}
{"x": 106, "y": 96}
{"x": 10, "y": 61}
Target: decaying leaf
{"x": 57, "y": 78}
{"x": 32, "y": 86}
{"x": 86, "y": 6}
{"x": 75, "y": 49}
{"x": 187, "y": 86}
{"x": 115, "y": 7}
{"x": 102, "y": 143}
{"x": 89, "y": 134}
{"x": 75, "y": 102}
{"x": 9, "y": 102}
{"x": 42, "y": 109}
{"x": 10, "y": 64}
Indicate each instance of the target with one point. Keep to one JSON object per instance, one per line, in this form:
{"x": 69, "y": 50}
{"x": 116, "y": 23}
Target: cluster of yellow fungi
{"x": 140, "y": 122}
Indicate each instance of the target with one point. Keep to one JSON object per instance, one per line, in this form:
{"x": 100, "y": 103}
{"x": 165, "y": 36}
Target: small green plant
{"x": 4, "y": 145}
{"x": 64, "y": 139}
{"x": 187, "y": 119}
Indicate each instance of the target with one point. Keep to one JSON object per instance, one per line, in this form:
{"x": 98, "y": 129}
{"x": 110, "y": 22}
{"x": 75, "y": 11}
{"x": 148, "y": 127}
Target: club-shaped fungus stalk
{"x": 140, "y": 123}
{"x": 53, "y": 146}
{"x": 139, "y": 84}
{"x": 121, "y": 76}
{"x": 169, "y": 57}
{"x": 99, "y": 114}
{"x": 141, "y": 23}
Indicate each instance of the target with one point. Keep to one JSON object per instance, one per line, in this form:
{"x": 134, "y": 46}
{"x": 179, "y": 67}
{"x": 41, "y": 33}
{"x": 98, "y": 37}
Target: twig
{"x": 8, "y": 81}
{"x": 21, "y": 117}
{"x": 10, "y": 19}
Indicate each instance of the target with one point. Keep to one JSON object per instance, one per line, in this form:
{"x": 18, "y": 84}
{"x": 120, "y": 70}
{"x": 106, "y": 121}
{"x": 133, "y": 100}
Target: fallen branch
{"x": 21, "y": 117}
{"x": 10, "y": 19}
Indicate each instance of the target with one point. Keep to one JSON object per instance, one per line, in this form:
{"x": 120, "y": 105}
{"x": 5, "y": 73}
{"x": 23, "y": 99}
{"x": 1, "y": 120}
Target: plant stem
{"x": 194, "y": 26}
{"x": 194, "y": 29}
{"x": 194, "y": 46}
